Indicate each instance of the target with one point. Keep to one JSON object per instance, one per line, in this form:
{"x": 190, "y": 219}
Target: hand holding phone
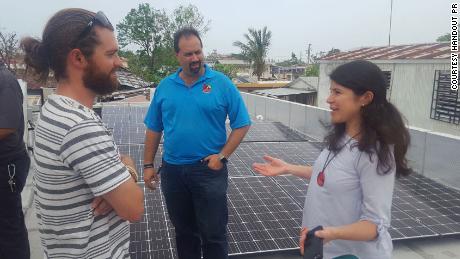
{"x": 313, "y": 246}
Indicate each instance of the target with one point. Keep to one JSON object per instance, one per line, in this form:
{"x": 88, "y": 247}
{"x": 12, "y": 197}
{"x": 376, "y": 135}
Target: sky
{"x": 325, "y": 24}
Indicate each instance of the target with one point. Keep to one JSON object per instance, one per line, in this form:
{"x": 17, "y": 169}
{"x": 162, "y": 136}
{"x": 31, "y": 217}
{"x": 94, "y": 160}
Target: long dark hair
{"x": 381, "y": 126}
{"x": 59, "y": 37}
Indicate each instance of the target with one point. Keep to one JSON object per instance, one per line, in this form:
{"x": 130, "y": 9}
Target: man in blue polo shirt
{"x": 191, "y": 107}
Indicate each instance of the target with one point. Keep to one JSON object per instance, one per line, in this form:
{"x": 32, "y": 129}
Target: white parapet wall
{"x": 303, "y": 118}
{"x": 431, "y": 153}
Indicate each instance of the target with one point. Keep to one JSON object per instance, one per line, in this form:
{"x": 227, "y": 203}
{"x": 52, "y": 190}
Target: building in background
{"x": 418, "y": 77}
{"x": 287, "y": 73}
{"x": 302, "y": 90}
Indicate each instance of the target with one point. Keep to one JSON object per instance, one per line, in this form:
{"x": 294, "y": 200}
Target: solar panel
{"x": 291, "y": 152}
{"x": 139, "y": 246}
{"x": 262, "y": 219}
{"x": 124, "y": 128}
{"x": 271, "y": 131}
{"x": 128, "y": 134}
{"x": 237, "y": 167}
{"x": 126, "y": 123}
{"x": 262, "y": 216}
{"x": 113, "y": 109}
{"x": 138, "y": 114}
{"x": 430, "y": 203}
{"x": 151, "y": 237}
{"x": 294, "y": 186}
{"x": 265, "y": 212}
{"x": 136, "y": 152}
{"x": 403, "y": 226}
{"x": 162, "y": 233}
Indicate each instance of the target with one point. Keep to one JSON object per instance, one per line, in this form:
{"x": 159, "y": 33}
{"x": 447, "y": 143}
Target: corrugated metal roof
{"x": 282, "y": 91}
{"x": 304, "y": 83}
{"x": 413, "y": 51}
{"x": 127, "y": 78}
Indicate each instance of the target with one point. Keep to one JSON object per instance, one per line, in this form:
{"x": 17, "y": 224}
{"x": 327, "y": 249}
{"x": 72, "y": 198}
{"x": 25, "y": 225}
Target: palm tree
{"x": 256, "y": 48}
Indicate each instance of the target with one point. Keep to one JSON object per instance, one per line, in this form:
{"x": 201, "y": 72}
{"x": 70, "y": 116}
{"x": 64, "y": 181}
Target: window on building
{"x": 387, "y": 75}
{"x": 445, "y": 105}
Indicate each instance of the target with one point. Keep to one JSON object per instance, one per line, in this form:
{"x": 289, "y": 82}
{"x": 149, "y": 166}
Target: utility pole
{"x": 391, "y": 15}
{"x": 308, "y": 54}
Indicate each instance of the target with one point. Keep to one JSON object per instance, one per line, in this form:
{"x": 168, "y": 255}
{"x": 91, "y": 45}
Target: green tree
{"x": 189, "y": 16}
{"x": 146, "y": 28}
{"x": 443, "y": 38}
{"x": 293, "y": 61}
{"x": 228, "y": 70}
{"x": 150, "y": 31}
{"x": 312, "y": 70}
{"x": 255, "y": 49}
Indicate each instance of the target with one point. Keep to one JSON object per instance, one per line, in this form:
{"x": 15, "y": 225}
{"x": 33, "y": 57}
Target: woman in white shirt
{"x": 351, "y": 186}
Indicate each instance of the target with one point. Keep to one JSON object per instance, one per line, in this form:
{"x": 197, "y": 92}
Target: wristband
{"x": 148, "y": 165}
{"x": 132, "y": 172}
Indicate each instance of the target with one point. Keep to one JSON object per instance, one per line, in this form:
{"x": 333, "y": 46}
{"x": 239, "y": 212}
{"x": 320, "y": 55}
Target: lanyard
{"x": 321, "y": 176}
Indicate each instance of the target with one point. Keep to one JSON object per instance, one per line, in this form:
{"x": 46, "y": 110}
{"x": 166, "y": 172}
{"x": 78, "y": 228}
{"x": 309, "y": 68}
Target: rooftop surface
{"x": 265, "y": 212}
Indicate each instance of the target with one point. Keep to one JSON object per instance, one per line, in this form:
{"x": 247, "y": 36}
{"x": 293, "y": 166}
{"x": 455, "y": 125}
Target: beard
{"x": 98, "y": 81}
{"x": 195, "y": 70}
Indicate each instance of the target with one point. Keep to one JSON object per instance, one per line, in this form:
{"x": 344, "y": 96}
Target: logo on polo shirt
{"x": 206, "y": 88}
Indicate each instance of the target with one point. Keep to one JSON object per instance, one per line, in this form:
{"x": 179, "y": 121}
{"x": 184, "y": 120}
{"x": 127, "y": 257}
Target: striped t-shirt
{"x": 76, "y": 160}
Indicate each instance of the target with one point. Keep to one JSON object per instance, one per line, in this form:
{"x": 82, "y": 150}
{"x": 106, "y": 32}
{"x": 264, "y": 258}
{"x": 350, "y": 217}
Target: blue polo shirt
{"x": 193, "y": 118}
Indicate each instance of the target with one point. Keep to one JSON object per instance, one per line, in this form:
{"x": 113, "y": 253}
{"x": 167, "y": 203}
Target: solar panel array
{"x": 271, "y": 131}
{"x": 435, "y": 206}
{"x": 126, "y": 122}
{"x": 262, "y": 216}
{"x": 264, "y": 212}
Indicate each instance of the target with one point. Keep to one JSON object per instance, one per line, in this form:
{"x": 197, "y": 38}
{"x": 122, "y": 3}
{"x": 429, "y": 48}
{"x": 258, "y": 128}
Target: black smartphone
{"x": 313, "y": 246}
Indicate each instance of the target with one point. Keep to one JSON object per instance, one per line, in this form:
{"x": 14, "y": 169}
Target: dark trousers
{"x": 196, "y": 199}
{"x": 14, "y": 241}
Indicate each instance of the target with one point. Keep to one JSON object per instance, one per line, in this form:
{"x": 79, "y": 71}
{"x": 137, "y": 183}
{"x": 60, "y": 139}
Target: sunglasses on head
{"x": 100, "y": 19}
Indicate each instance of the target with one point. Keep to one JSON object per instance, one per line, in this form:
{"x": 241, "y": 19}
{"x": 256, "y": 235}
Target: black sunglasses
{"x": 100, "y": 19}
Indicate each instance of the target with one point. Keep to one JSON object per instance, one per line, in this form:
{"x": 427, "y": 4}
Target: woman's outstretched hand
{"x": 273, "y": 166}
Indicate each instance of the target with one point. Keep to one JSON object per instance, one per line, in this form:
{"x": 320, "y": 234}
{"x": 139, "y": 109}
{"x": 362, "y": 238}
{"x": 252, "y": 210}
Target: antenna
{"x": 391, "y": 15}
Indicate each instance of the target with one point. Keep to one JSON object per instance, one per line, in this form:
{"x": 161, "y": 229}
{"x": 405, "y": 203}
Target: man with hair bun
{"x": 85, "y": 190}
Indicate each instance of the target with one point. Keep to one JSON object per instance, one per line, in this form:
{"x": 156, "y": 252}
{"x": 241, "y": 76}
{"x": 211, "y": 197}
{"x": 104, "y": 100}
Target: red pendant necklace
{"x": 321, "y": 176}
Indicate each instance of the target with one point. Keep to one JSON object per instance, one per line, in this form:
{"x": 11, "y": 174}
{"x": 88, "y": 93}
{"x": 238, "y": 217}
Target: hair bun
{"x": 36, "y": 57}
